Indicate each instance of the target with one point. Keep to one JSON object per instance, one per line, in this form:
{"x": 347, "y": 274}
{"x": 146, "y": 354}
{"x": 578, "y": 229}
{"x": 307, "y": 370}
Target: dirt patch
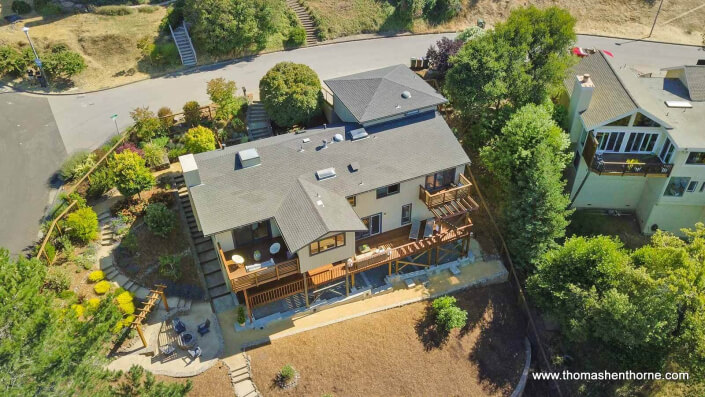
{"x": 396, "y": 352}
{"x": 215, "y": 382}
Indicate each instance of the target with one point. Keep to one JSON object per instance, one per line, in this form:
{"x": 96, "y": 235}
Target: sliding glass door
{"x": 373, "y": 224}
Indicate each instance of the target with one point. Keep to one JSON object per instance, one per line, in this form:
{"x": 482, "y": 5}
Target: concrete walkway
{"x": 479, "y": 273}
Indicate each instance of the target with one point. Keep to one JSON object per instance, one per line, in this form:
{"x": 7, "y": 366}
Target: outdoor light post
{"x": 117, "y": 129}
{"x": 37, "y": 61}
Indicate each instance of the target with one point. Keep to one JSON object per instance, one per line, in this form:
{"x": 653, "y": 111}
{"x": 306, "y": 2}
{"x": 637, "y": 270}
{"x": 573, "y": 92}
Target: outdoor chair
{"x": 195, "y": 353}
{"x": 204, "y": 327}
{"x": 167, "y": 350}
{"x": 179, "y": 326}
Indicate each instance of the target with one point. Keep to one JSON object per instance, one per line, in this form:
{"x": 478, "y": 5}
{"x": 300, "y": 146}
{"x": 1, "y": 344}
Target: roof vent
{"x": 249, "y": 158}
{"x": 338, "y": 138}
{"x": 326, "y": 173}
{"x": 679, "y": 104}
{"x": 406, "y": 95}
{"x": 358, "y": 134}
{"x": 354, "y": 166}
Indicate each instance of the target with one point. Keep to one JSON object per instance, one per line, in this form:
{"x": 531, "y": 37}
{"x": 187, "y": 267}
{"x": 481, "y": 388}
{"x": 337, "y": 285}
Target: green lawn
{"x": 594, "y": 222}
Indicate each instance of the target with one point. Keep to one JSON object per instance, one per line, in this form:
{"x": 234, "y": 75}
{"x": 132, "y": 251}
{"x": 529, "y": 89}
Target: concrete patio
{"x": 158, "y": 333}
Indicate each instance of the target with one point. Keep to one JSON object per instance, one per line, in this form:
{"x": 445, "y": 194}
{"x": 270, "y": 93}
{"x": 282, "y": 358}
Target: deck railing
{"x": 265, "y": 275}
{"x": 277, "y": 293}
{"x": 630, "y": 169}
{"x": 446, "y": 195}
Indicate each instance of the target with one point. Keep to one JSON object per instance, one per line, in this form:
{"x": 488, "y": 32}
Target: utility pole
{"x": 37, "y": 61}
{"x": 655, "y": 18}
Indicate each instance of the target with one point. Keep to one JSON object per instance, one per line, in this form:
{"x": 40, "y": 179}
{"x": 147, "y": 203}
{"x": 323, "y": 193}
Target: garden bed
{"x": 399, "y": 352}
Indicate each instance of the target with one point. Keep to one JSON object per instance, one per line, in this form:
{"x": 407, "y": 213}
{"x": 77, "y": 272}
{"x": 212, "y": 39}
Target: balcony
{"x": 451, "y": 201}
{"x": 274, "y": 267}
{"x": 630, "y": 164}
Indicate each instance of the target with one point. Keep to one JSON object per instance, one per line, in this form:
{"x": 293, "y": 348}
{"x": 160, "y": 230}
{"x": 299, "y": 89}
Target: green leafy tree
{"x": 159, "y": 219}
{"x": 63, "y": 63}
{"x": 623, "y": 310}
{"x": 44, "y": 351}
{"x": 199, "y": 139}
{"x": 147, "y": 126}
{"x": 527, "y": 160}
{"x": 448, "y": 315}
{"x": 130, "y": 173}
{"x": 221, "y": 91}
{"x": 291, "y": 93}
{"x": 439, "y": 11}
{"x": 82, "y": 225}
{"x": 138, "y": 382}
{"x": 224, "y": 27}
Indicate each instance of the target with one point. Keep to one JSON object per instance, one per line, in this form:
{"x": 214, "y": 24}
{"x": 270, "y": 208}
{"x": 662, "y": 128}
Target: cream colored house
{"x": 291, "y": 213}
{"x": 639, "y": 142}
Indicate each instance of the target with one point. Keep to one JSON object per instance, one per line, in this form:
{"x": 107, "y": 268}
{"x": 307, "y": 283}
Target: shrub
{"x": 129, "y": 146}
{"x": 129, "y": 242}
{"x": 78, "y": 309}
{"x": 221, "y": 91}
{"x": 176, "y": 151}
{"x": 166, "y": 117}
{"x": 448, "y": 315}
{"x": 198, "y": 139}
{"x": 440, "y": 54}
{"x": 147, "y": 9}
{"x": 50, "y": 9}
{"x": 291, "y": 93}
{"x": 147, "y": 125}
{"x": 470, "y": 33}
{"x": 158, "y": 54}
{"x": 77, "y": 165}
{"x": 131, "y": 174}
{"x": 96, "y": 276}
{"x": 93, "y": 303}
{"x": 287, "y": 372}
{"x": 63, "y": 63}
{"x": 241, "y": 315}
{"x": 439, "y": 11}
{"x": 159, "y": 219}
{"x": 57, "y": 280}
{"x": 100, "y": 181}
{"x": 125, "y": 303}
{"x": 192, "y": 113}
{"x": 20, "y": 7}
{"x": 153, "y": 154}
{"x": 114, "y": 10}
{"x": 170, "y": 266}
{"x": 15, "y": 62}
{"x": 50, "y": 251}
{"x": 102, "y": 287}
{"x": 297, "y": 36}
{"x": 82, "y": 225}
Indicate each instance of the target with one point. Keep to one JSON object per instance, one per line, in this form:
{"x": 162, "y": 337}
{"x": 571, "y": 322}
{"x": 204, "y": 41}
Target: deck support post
{"x": 306, "y": 289}
{"x": 247, "y": 304}
{"x": 347, "y": 285}
{"x": 139, "y": 331}
{"x": 353, "y": 279}
{"x": 438, "y": 249}
{"x": 390, "y": 268}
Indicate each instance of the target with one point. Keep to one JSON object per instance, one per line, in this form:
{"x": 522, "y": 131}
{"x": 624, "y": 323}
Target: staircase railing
{"x": 173, "y": 37}
{"x": 188, "y": 37}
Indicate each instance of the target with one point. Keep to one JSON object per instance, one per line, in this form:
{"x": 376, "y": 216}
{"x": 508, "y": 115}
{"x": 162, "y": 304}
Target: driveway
{"x": 84, "y": 120}
{"x": 31, "y": 150}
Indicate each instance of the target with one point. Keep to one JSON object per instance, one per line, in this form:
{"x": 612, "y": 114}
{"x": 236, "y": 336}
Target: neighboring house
{"x": 639, "y": 142}
{"x": 301, "y": 210}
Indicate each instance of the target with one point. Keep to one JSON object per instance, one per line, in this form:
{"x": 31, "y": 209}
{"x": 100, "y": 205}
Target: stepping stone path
{"x": 106, "y": 263}
{"x": 240, "y": 376}
{"x": 218, "y": 291}
{"x": 306, "y": 21}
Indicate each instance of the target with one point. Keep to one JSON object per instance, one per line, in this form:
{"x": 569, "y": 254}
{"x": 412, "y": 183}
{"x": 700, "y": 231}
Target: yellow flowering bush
{"x": 101, "y": 287}
{"x": 96, "y": 275}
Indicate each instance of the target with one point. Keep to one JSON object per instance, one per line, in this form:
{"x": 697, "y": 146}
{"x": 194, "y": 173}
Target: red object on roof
{"x": 579, "y": 52}
{"x": 608, "y": 53}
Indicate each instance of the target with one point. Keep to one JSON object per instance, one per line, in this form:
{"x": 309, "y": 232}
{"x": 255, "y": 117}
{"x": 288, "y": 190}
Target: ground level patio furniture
{"x": 178, "y": 325}
{"x": 195, "y": 353}
{"x": 204, "y": 327}
{"x": 187, "y": 340}
{"x": 167, "y": 350}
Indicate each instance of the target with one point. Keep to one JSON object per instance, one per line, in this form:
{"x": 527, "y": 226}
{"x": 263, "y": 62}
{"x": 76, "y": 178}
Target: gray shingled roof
{"x": 695, "y": 77}
{"x": 610, "y": 99}
{"x": 377, "y": 93}
{"x": 284, "y": 185}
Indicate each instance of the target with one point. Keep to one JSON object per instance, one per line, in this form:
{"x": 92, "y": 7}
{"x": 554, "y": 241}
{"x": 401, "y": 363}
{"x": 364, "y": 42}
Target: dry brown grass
{"x": 629, "y": 18}
{"x": 215, "y": 382}
{"x": 398, "y": 353}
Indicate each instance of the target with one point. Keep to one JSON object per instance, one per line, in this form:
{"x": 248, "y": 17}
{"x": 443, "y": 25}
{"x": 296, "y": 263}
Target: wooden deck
{"x": 449, "y": 202}
{"x": 241, "y": 279}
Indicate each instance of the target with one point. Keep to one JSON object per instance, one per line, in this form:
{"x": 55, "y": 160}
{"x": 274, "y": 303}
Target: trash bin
{"x": 425, "y": 63}
{"x": 413, "y": 63}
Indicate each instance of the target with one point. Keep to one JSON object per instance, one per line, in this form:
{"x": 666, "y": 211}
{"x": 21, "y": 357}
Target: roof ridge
{"x": 619, "y": 79}
{"x": 375, "y": 92}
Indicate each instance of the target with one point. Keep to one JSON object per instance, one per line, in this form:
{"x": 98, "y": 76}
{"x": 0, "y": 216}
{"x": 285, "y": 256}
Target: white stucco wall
{"x": 308, "y": 262}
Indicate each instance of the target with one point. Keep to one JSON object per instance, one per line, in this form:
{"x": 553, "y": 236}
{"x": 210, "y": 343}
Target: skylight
{"x": 249, "y": 158}
{"x": 358, "y": 134}
{"x": 679, "y": 104}
{"x": 326, "y": 173}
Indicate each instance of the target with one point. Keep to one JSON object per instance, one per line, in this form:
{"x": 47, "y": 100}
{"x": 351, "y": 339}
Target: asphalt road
{"x": 84, "y": 120}
{"x": 30, "y": 151}
{"x": 31, "y": 145}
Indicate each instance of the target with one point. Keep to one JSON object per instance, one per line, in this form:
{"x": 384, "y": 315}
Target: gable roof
{"x": 695, "y": 82}
{"x": 610, "y": 99}
{"x": 377, "y": 93}
{"x": 284, "y": 186}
